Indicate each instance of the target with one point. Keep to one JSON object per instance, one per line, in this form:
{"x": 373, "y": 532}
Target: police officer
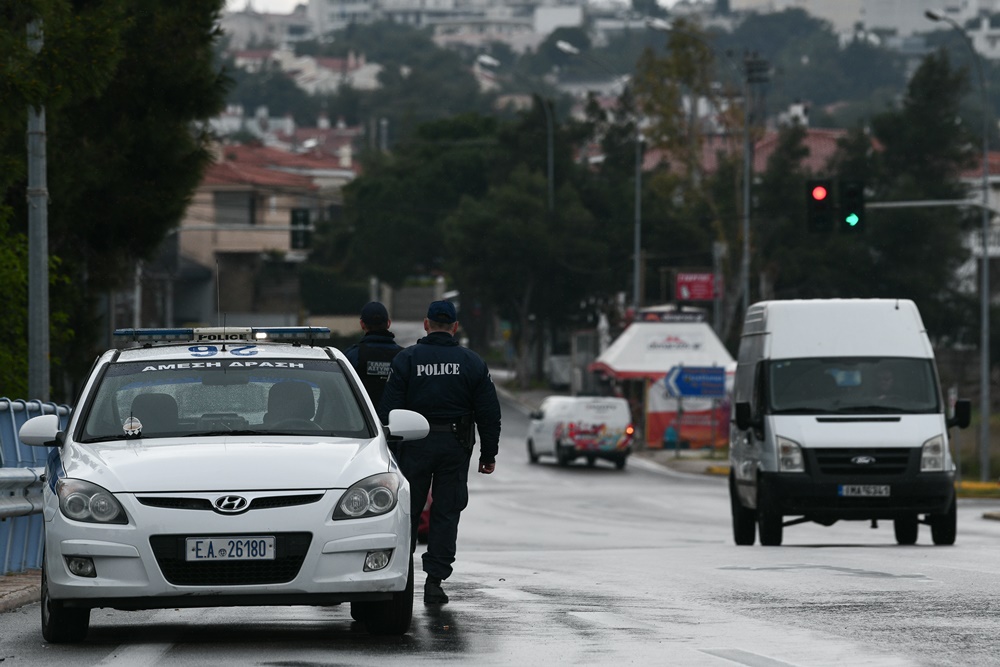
{"x": 451, "y": 386}
{"x": 372, "y": 355}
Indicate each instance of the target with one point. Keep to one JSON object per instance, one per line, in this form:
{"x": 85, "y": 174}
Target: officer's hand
{"x": 487, "y": 468}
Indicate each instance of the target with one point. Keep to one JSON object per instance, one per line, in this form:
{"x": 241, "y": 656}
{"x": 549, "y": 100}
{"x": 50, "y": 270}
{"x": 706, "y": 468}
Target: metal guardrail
{"x": 21, "y": 471}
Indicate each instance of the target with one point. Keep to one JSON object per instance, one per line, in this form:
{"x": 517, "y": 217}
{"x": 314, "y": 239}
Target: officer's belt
{"x": 448, "y": 427}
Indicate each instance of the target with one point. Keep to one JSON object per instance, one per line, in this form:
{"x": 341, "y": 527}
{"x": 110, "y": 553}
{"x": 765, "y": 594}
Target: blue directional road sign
{"x": 708, "y": 381}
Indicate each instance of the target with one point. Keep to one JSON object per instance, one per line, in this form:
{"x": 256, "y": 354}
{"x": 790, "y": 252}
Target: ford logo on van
{"x": 863, "y": 460}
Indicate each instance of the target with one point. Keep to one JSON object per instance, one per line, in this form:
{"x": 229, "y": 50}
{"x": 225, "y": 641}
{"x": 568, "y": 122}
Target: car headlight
{"x": 932, "y": 455}
{"x": 789, "y": 456}
{"x": 372, "y": 496}
{"x": 84, "y": 501}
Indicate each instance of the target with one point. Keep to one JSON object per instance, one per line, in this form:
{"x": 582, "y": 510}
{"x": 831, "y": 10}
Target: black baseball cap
{"x": 443, "y": 312}
{"x": 374, "y": 313}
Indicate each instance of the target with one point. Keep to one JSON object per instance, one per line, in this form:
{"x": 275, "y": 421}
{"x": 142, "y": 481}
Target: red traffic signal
{"x": 819, "y": 209}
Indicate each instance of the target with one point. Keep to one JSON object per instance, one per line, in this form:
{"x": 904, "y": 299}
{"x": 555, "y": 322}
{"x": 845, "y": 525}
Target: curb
{"x": 19, "y": 589}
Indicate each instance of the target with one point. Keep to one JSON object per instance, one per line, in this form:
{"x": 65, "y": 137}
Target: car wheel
{"x": 620, "y": 461}
{"x": 906, "y": 529}
{"x": 61, "y": 625}
{"x": 770, "y": 524}
{"x": 744, "y": 522}
{"x": 360, "y": 611}
{"x": 532, "y": 456}
{"x": 392, "y": 617}
{"x": 945, "y": 526}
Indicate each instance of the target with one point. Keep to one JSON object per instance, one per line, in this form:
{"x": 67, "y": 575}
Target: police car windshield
{"x": 184, "y": 399}
{"x": 852, "y": 385}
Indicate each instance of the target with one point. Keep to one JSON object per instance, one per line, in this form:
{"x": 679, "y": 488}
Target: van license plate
{"x": 230, "y": 548}
{"x": 863, "y": 490}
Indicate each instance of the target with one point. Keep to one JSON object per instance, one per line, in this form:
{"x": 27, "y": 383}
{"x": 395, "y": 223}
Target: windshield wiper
{"x": 228, "y": 431}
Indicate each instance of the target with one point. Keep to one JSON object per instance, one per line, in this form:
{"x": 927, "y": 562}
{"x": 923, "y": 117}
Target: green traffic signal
{"x": 852, "y": 206}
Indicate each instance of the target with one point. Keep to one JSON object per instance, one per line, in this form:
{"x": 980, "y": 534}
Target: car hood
{"x": 231, "y": 464}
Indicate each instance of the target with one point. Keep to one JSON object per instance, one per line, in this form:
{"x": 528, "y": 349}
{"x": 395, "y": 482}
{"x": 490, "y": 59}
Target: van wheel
{"x": 620, "y": 461}
{"x": 906, "y": 530}
{"x": 562, "y": 456}
{"x": 591, "y": 461}
{"x": 744, "y": 523}
{"x": 61, "y": 625}
{"x": 532, "y": 456}
{"x": 769, "y": 520}
{"x": 944, "y": 526}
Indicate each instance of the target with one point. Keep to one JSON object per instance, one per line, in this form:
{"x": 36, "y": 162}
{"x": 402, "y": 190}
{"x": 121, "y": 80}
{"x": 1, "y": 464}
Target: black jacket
{"x": 444, "y": 381}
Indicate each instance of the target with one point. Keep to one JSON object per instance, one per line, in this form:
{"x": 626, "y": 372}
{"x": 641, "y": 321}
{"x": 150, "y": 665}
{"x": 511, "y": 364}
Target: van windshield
{"x": 852, "y": 385}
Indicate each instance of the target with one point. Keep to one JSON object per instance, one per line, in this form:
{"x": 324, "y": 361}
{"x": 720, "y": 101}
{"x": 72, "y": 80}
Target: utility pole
{"x": 38, "y": 243}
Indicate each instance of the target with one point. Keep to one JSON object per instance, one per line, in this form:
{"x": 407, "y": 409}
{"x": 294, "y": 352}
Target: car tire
{"x": 532, "y": 455}
{"x": 392, "y": 617}
{"x": 906, "y": 530}
{"x": 770, "y": 524}
{"x": 945, "y": 526}
{"x": 61, "y": 625}
{"x": 360, "y": 611}
{"x": 744, "y": 521}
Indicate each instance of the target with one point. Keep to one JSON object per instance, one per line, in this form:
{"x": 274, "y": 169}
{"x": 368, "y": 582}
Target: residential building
{"x": 249, "y": 29}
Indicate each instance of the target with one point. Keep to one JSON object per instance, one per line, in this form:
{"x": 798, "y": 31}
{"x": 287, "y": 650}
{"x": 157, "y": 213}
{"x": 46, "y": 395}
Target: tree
{"x": 123, "y": 83}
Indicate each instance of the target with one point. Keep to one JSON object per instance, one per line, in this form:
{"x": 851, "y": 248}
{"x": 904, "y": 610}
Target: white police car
{"x": 224, "y": 468}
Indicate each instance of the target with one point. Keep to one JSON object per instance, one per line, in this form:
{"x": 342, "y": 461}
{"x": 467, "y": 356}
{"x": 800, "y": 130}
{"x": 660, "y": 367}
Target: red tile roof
{"x": 236, "y": 173}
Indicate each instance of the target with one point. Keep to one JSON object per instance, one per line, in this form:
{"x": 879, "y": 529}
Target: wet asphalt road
{"x": 596, "y": 566}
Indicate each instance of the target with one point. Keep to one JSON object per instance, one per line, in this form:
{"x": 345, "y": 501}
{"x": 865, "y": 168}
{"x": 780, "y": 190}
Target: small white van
{"x": 591, "y": 427}
{"x": 838, "y": 415}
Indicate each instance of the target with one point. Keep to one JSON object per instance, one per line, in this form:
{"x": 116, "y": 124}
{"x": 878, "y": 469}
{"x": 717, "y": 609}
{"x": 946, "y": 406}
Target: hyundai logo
{"x": 231, "y": 504}
{"x": 863, "y": 460}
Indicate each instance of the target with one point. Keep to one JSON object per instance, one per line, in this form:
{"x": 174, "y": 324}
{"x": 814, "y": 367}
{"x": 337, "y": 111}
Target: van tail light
{"x": 629, "y": 434}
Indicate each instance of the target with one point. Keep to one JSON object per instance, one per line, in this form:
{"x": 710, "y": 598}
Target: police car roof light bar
{"x": 223, "y": 334}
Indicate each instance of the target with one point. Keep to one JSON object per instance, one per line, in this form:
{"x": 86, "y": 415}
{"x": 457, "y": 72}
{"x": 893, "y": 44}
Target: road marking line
{"x": 745, "y": 657}
{"x": 610, "y": 620}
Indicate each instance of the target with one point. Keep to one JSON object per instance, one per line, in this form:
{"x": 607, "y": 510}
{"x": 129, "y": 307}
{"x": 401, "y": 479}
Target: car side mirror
{"x": 963, "y": 414}
{"x": 406, "y": 425}
{"x": 41, "y": 431}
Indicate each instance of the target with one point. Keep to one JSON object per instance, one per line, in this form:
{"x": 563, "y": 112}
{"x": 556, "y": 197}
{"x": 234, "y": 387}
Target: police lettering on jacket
{"x": 438, "y": 369}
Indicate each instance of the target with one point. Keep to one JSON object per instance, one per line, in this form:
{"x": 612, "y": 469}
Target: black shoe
{"x": 433, "y": 593}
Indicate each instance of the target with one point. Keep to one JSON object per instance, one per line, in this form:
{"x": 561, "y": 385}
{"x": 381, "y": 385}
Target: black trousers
{"x": 439, "y": 464}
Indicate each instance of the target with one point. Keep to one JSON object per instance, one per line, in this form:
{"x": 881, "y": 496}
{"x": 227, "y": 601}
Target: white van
{"x": 838, "y": 414}
{"x": 591, "y": 427}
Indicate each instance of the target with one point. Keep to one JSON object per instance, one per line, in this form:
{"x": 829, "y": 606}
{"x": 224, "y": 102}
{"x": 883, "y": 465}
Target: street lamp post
{"x": 984, "y": 290}
{"x": 568, "y": 48}
{"x": 493, "y": 63}
{"x": 666, "y": 26}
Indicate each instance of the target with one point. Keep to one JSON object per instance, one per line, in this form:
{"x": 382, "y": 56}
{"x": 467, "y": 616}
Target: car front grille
{"x": 265, "y": 502}
{"x": 290, "y": 551}
{"x": 882, "y": 461}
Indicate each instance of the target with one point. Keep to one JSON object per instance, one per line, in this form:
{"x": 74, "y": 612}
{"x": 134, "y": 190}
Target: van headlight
{"x": 84, "y": 501}
{"x": 932, "y": 455}
{"x": 789, "y": 456}
{"x": 372, "y": 496}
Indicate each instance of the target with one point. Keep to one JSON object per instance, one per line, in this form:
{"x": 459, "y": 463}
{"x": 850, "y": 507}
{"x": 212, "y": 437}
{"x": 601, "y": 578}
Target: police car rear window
{"x": 185, "y": 398}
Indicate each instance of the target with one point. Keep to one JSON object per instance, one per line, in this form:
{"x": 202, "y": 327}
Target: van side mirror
{"x": 743, "y": 416}
{"x": 537, "y": 414}
{"x": 963, "y": 414}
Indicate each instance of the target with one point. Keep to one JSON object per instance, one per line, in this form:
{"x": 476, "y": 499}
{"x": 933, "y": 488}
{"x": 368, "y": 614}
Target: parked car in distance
{"x": 588, "y": 427}
{"x": 221, "y": 467}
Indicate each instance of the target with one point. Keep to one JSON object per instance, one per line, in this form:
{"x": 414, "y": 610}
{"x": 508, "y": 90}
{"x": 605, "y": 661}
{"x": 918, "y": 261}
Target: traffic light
{"x": 852, "y": 207}
{"x": 819, "y": 205}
